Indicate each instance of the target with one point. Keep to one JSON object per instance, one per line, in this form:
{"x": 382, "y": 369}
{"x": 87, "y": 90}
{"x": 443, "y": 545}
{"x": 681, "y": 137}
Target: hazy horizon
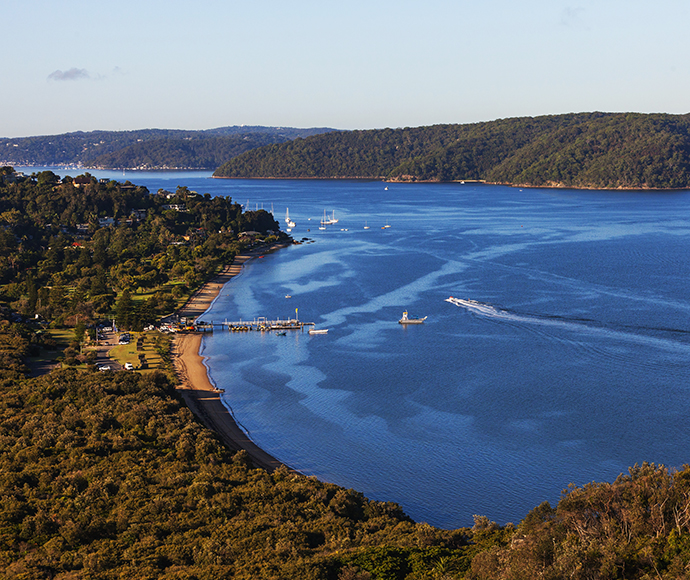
{"x": 310, "y": 127}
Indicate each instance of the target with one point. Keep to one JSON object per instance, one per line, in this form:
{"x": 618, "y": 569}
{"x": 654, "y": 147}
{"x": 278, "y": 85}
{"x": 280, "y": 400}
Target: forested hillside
{"x": 342, "y": 154}
{"x": 93, "y": 149}
{"x": 596, "y": 150}
{"x": 110, "y": 476}
{"x": 70, "y": 248}
{"x": 187, "y": 153}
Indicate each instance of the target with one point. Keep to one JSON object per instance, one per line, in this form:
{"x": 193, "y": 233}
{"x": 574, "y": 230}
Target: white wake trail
{"x": 478, "y": 307}
{"x": 489, "y": 311}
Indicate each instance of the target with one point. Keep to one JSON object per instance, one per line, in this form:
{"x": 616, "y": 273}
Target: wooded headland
{"x": 144, "y": 148}
{"x": 584, "y": 150}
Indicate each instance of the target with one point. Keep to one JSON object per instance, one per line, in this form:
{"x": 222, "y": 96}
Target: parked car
{"x": 129, "y": 367}
{"x": 104, "y": 368}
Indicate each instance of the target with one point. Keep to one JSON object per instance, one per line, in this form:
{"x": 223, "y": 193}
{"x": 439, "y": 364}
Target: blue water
{"x": 573, "y": 364}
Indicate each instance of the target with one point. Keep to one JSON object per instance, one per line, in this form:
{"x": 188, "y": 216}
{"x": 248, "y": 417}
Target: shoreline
{"x": 195, "y": 386}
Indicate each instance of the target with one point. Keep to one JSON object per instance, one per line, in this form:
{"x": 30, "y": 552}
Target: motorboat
{"x": 318, "y": 331}
{"x": 407, "y": 320}
{"x": 463, "y": 302}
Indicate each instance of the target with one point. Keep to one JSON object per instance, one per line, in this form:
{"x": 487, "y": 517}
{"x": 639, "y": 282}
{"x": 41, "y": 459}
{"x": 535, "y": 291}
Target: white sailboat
{"x": 288, "y": 221}
{"x": 328, "y": 221}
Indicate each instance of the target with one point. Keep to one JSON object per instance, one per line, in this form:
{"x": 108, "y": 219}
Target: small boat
{"x": 366, "y": 227}
{"x": 328, "y": 221}
{"x": 318, "y": 331}
{"x": 407, "y": 320}
{"x": 281, "y": 333}
{"x": 288, "y": 221}
{"x": 288, "y": 296}
{"x": 464, "y": 302}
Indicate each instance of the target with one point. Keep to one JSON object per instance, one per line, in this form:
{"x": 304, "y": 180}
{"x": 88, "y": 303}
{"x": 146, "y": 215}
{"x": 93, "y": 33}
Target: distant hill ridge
{"x": 145, "y": 148}
{"x": 588, "y": 150}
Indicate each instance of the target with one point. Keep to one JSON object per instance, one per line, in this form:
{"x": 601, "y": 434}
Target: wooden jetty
{"x": 262, "y": 324}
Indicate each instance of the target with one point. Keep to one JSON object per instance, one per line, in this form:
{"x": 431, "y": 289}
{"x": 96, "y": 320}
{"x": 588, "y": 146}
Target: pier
{"x": 260, "y": 324}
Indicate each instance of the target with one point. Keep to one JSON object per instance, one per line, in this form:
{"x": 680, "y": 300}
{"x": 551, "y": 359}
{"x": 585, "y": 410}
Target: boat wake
{"x": 488, "y": 311}
{"x": 478, "y": 307}
{"x": 638, "y": 335}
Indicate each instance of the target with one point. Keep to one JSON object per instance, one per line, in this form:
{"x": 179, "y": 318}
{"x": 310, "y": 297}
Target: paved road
{"x": 109, "y": 340}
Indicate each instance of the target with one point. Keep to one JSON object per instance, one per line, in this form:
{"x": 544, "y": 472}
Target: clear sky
{"x": 77, "y": 65}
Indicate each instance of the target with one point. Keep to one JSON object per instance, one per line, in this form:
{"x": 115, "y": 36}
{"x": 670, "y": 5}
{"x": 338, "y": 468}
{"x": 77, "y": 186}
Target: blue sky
{"x": 75, "y": 65}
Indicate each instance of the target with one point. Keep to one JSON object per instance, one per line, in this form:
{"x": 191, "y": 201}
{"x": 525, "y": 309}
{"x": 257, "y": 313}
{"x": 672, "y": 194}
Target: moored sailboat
{"x": 328, "y": 221}
{"x": 288, "y": 221}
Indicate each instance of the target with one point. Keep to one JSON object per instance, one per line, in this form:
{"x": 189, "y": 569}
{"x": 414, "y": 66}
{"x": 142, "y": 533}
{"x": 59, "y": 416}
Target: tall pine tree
{"x": 123, "y": 310}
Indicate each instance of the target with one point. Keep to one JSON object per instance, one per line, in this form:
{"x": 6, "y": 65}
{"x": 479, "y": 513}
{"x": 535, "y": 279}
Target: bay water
{"x": 567, "y": 359}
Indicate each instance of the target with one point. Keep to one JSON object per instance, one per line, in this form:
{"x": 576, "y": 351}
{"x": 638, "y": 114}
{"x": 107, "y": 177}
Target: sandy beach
{"x": 195, "y": 386}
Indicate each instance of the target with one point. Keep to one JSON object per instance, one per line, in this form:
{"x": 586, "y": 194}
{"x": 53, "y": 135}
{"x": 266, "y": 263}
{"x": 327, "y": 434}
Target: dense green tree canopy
{"x": 188, "y": 153}
{"x": 595, "y": 150}
{"x": 68, "y": 246}
{"x": 168, "y": 147}
{"x": 109, "y": 476}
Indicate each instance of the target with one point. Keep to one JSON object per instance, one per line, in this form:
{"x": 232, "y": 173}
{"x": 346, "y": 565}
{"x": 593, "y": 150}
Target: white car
{"x": 104, "y": 368}
{"x": 129, "y": 367}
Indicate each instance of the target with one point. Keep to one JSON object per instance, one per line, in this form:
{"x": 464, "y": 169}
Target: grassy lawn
{"x": 61, "y": 336}
{"x": 146, "y": 355}
{"x": 126, "y": 353}
{"x": 140, "y": 296}
{"x": 153, "y": 358}
{"x": 46, "y": 357}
